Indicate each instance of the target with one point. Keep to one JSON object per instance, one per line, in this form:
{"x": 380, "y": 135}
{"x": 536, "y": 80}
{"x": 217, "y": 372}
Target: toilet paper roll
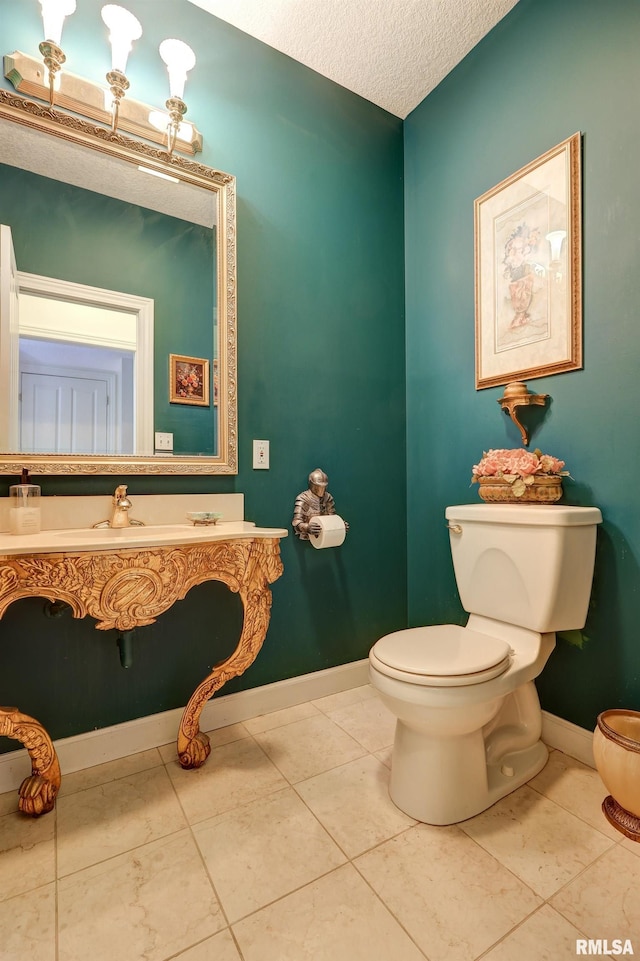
{"x": 333, "y": 531}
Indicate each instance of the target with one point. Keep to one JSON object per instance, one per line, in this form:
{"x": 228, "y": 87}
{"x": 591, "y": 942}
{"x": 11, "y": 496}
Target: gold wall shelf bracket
{"x": 517, "y": 395}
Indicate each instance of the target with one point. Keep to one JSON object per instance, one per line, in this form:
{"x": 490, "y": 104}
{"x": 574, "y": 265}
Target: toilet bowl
{"x": 468, "y": 716}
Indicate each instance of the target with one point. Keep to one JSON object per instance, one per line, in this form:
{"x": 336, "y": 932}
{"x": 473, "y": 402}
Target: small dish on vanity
{"x": 203, "y": 518}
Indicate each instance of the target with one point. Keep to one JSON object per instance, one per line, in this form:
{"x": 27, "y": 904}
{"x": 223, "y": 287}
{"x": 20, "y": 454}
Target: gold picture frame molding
{"x": 541, "y": 189}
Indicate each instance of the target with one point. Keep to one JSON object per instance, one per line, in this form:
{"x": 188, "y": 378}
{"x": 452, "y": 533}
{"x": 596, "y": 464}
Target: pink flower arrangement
{"x": 517, "y": 467}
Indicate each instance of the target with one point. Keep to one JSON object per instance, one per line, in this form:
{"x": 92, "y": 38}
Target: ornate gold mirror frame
{"x": 221, "y": 188}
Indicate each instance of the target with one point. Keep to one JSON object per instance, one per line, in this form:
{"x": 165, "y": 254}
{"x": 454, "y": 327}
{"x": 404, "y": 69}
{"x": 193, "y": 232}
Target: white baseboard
{"x": 568, "y": 738}
{"x": 121, "y": 740}
{"x": 110, "y": 743}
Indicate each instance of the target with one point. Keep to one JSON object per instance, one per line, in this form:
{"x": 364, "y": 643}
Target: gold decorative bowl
{"x": 616, "y": 749}
{"x": 546, "y": 489}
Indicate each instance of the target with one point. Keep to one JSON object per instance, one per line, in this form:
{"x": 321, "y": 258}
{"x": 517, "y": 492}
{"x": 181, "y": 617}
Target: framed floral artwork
{"x": 528, "y": 271}
{"x": 188, "y": 380}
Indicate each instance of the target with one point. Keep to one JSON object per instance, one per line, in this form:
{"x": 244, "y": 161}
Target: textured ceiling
{"x": 392, "y": 52}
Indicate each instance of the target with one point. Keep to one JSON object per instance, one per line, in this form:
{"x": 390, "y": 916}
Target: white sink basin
{"x": 110, "y": 538}
{"x": 155, "y": 531}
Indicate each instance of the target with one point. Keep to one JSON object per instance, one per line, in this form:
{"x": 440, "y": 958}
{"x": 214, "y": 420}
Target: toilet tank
{"x": 525, "y": 564}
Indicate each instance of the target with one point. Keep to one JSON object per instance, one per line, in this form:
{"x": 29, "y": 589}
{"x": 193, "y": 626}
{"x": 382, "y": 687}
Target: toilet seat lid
{"x": 445, "y": 655}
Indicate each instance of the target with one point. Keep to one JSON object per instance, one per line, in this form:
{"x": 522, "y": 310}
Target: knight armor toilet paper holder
{"x": 311, "y": 505}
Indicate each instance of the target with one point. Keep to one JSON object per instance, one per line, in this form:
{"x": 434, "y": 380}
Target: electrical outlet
{"x": 261, "y": 455}
{"x": 163, "y": 441}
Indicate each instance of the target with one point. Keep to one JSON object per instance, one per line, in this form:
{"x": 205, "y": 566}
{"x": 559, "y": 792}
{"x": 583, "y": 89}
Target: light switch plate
{"x": 261, "y": 455}
{"x": 163, "y": 441}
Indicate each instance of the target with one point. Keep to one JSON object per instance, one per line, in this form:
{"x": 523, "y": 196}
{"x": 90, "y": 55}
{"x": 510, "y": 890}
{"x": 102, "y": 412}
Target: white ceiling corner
{"x": 391, "y": 52}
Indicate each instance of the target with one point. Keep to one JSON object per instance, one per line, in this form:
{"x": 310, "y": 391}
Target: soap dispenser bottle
{"x": 24, "y": 506}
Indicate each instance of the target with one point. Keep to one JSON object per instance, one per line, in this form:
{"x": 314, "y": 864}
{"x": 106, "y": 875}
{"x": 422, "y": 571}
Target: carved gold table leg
{"x": 38, "y": 792}
{"x": 128, "y": 588}
{"x": 193, "y": 746}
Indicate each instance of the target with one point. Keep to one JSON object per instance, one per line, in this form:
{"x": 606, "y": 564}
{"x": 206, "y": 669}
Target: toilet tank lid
{"x": 541, "y": 515}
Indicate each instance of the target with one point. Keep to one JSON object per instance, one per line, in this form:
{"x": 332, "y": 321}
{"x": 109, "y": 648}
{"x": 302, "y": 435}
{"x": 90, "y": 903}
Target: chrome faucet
{"x": 120, "y": 514}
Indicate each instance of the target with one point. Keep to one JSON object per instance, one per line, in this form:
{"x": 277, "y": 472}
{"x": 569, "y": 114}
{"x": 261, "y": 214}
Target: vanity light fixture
{"x": 90, "y": 99}
{"x": 160, "y": 120}
{"x": 124, "y": 28}
{"x": 179, "y": 59}
{"x": 53, "y": 17}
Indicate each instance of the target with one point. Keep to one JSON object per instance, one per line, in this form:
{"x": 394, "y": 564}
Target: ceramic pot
{"x": 546, "y": 489}
{"x": 616, "y": 749}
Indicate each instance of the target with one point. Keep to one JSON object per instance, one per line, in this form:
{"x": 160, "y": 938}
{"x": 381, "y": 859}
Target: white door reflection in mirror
{"x": 66, "y": 411}
{"x": 86, "y": 367}
{"x": 8, "y": 342}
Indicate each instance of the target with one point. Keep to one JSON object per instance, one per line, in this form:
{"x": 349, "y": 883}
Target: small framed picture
{"x": 188, "y": 380}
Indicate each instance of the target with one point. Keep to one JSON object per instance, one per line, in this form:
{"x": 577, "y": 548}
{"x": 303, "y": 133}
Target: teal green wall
{"x": 321, "y": 374}
{"x": 119, "y": 246}
{"x": 546, "y": 71}
{"x": 321, "y": 242}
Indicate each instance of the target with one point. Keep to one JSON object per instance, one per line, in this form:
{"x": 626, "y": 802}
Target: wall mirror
{"x": 118, "y": 296}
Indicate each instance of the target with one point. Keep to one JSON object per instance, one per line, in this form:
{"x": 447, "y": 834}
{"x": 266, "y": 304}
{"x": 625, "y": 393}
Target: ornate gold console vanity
{"x": 125, "y": 579}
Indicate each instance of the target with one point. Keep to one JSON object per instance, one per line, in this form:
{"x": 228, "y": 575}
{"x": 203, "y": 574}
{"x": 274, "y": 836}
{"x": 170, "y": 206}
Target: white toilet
{"x": 469, "y": 719}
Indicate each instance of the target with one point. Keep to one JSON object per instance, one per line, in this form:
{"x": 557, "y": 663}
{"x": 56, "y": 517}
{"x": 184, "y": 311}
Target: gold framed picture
{"x": 528, "y": 271}
{"x": 188, "y": 380}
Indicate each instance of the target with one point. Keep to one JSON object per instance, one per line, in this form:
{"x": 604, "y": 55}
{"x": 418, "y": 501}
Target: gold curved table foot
{"x": 37, "y": 794}
{"x": 193, "y": 745}
{"x": 263, "y": 568}
{"x": 195, "y": 752}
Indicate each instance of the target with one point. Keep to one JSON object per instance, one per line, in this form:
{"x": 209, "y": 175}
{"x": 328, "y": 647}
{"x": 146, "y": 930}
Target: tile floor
{"x": 286, "y": 847}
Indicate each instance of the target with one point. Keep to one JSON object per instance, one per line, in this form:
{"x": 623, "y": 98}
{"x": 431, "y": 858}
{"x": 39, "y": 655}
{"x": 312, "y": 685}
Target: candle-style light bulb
{"x": 53, "y": 17}
{"x": 179, "y": 59}
{"x": 556, "y": 238}
{"x": 124, "y": 28}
